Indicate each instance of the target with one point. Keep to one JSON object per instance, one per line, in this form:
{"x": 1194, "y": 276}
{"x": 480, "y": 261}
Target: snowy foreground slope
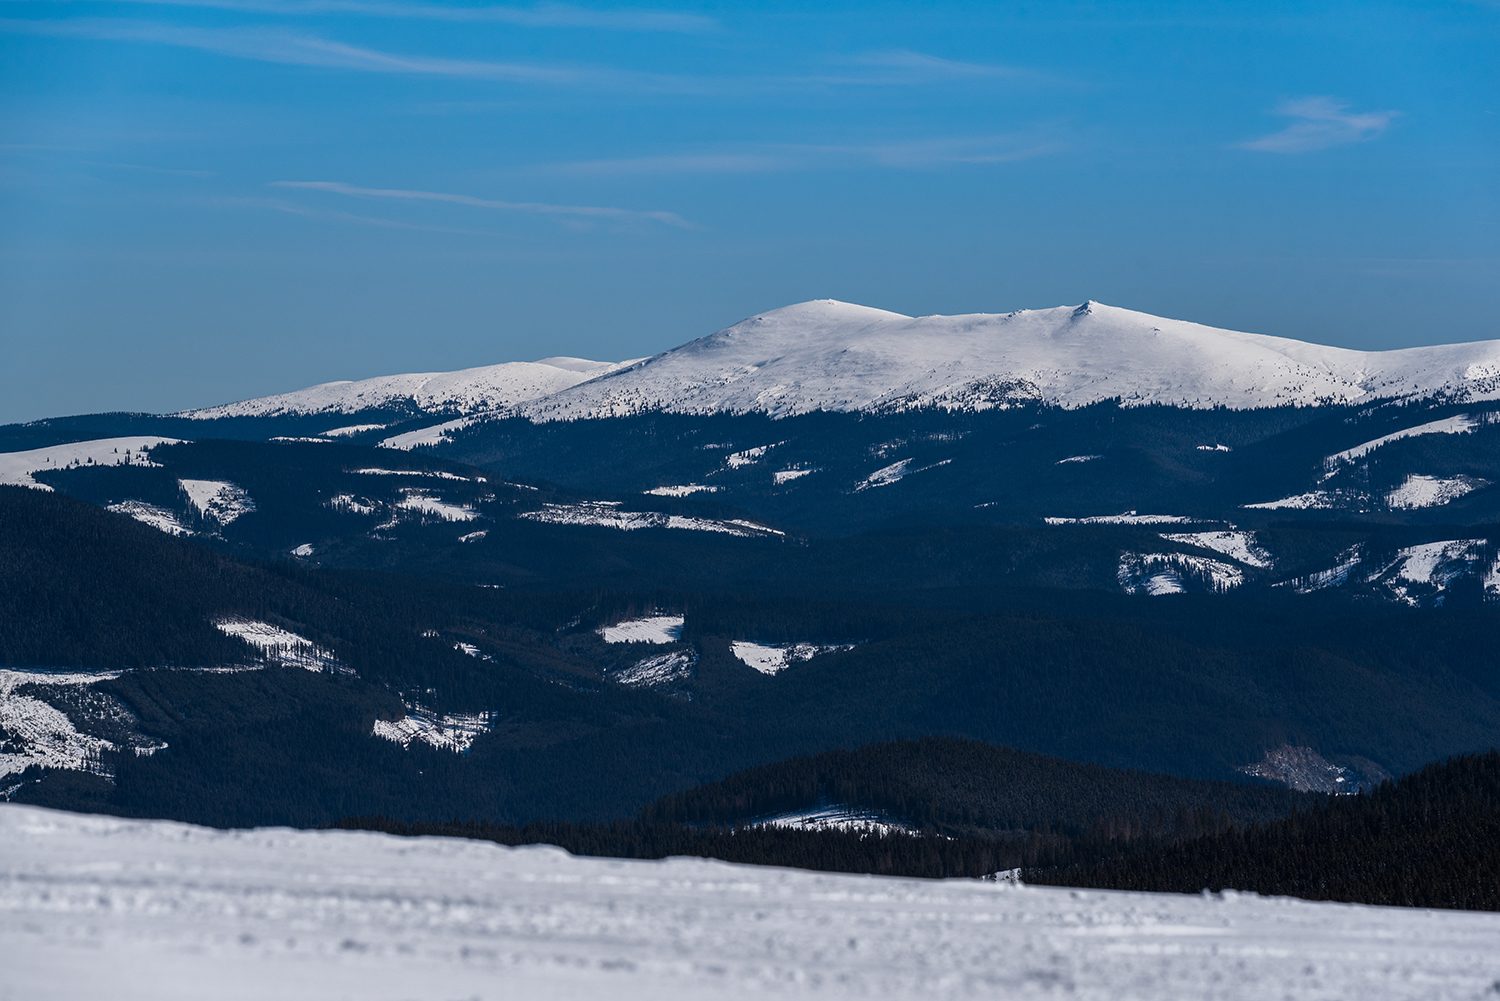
{"x": 94, "y": 906}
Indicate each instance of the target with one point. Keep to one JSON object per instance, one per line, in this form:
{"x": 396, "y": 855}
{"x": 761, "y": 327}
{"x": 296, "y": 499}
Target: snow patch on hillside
{"x": 662, "y": 669}
{"x": 784, "y": 476}
{"x": 837, "y": 818}
{"x": 280, "y": 645}
{"x": 1431, "y": 567}
{"x": 1237, "y": 545}
{"x": 1077, "y": 458}
{"x": 349, "y": 504}
{"x": 422, "y": 437}
{"x": 1461, "y": 424}
{"x": 1316, "y": 500}
{"x": 16, "y": 467}
{"x": 157, "y": 517}
{"x": 649, "y": 629}
{"x": 35, "y": 733}
{"x": 750, "y": 456}
{"x": 607, "y": 514}
{"x": 1128, "y": 518}
{"x": 352, "y": 429}
{"x": 894, "y": 473}
{"x": 685, "y": 490}
{"x": 1174, "y": 573}
{"x": 436, "y": 474}
{"x": 444, "y": 732}
{"x": 96, "y": 906}
{"x": 1419, "y": 491}
{"x": 428, "y": 506}
{"x": 217, "y": 500}
{"x": 770, "y": 658}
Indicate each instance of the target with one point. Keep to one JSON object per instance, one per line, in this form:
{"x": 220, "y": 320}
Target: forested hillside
{"x": 1432, "y": 839}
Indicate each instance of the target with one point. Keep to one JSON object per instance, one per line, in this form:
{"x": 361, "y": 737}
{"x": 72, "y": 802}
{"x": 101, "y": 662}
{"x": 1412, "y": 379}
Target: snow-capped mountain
{"x": 830, "y": 355}
{"x": 836, "y": 356}
{"x": 468, "y": 391}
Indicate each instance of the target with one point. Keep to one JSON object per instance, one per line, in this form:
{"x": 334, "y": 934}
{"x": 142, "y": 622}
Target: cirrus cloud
{"x": 1323, "y": 122}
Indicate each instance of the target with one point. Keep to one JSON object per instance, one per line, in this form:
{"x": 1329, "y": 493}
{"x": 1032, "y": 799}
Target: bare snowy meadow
{"x": 94, "y": 906}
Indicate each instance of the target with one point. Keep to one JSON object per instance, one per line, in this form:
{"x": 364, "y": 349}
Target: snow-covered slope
{"x": 829, "y": 355}
{"x": 472, "y": 390}
{"x": 95, "y": 906}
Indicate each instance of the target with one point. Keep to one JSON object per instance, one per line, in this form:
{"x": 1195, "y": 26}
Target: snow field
{"x": 1240, "y": 546}
{"x": 607, "y": 514}
{"x": 435, "y": 507}
{"x": 1128, "y": 518}
{"x": 651, "y": 629}
{"x": 784, "y": 476}
{"x": 466, "y": 392}
{"x": 1419, "y": 491}
{"x": 837, "y": 356}
{"x": 279, "y": 644}
{"x": 1462, "y": 424}
{"x": 894, "y": 473}
{"x": 687, "y": 489}
{"x": 217, "y": 500}
{"x": 16, "y": 467}
{"x": 1173, "y": 573}
{"x": 157, "y": 517}
{"x": 836, "y": 818}
{"x": 39, "y": 734}
{"x": 658, "y": 670}
{"x": 454, "y": 733}
{"x": 94, "y": 906}
{"x": 771, "y": 658}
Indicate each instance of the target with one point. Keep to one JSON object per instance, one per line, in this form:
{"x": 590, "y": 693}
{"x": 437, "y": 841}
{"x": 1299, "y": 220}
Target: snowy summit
{"x": 830, "y": 355}
{"x": 837, "y": 356}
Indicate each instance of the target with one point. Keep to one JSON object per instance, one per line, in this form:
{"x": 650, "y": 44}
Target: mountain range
{"x": 561, "y": 589}
{"x": 835, "y": 356}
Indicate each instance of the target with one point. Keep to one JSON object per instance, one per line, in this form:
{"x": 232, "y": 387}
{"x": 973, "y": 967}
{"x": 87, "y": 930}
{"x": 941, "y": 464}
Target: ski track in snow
{"x": 102, "y": 907}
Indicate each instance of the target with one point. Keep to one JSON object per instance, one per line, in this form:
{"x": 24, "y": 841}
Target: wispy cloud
{"x": 549, "y": 15}
{"x": 276, "y": 45}
{"x": 935, "y": 66}
{"x": 541, "y": 208}
{"x": 784, "y": 157}
{"x": 1323, "y": 122}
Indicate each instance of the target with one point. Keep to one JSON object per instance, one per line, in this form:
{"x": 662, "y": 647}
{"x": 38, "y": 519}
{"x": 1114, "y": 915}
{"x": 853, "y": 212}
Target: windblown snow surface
{"x": 102, "y": 907}
{"x": 830, "y": 355}
{"x": 471, "y": 390}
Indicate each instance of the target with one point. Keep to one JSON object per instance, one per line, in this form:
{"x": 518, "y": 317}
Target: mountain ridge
{"x": 836, "y": 356}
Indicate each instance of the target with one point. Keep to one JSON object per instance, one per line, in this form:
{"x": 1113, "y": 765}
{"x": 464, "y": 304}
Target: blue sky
{"x": 205, "y": 200}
